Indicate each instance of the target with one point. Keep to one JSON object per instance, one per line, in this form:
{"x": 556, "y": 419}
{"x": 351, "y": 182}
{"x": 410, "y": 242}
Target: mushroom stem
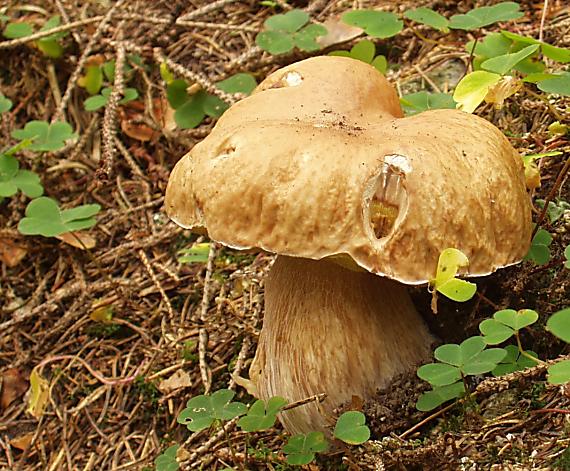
{"x": 334, "y": 330}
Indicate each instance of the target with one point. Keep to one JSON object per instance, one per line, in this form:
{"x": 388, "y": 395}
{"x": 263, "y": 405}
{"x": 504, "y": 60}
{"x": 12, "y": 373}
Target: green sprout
{"x": 301, "y": 449}
{"x": 350, "y": 428}
{"x": 423, "y": 101}
{"x": 261, "y": 415}
{"x": 365, "y": 51}
{"x": 96, "y": 102}
{"x": 286, "y": 31}
{"x": 449, "y": 263}
{"x": 44, "y": 217}
{"x": 45, "y": 137}
{"x": 201, "y": 411}
{"x": 378, "y": 24}
{"x": 167, "y": 461}
{"x": 539, "y": 251}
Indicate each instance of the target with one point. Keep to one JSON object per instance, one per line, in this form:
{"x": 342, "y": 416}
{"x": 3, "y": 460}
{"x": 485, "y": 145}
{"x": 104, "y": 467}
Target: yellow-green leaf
{"x": 473, "y": 88}
{"x": 39, "y": 393}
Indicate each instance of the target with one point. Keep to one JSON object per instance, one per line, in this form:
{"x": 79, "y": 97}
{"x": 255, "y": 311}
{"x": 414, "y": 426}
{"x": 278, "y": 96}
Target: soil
{"x": 107, "y": 327}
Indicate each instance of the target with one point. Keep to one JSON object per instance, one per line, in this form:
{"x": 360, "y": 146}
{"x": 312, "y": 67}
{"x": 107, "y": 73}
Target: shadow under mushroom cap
{"x": 318, "y": 162}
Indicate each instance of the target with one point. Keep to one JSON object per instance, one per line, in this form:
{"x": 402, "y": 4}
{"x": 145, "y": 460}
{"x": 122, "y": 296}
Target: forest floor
{"x": 114, "y": 331}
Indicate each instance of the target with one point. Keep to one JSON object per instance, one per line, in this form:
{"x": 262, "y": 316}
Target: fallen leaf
{"x": 38, "y": 395}
{"x": 11, "y": 253}
{"x": 180, "y": 379}
{"x": 337, "y": 32}
{"x": 78, "y": 239}
{"x": 532, "y": 176}
{"x": 502, "y": 90}
{"x": 13, "y": 386}
{"x": 163, "y": 114}
{"x": 102, "y": 314}
{"x": 132, "y": 125}
{"x": 22, "y": 442}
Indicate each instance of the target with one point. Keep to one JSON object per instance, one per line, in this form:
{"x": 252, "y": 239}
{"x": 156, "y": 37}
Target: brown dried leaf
{"x": 180, "y": 379}
{"x": 13, "y": 386}
{"x": 502, "y": 90}
{"x": 22, "y": 442}
{"x": 78, "y": 239}
{"x": 337, "y": 32}
{"x": 11, "y": 253}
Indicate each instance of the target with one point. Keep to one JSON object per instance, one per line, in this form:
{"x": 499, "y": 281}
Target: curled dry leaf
{"x": 502, "y": 90}
{"x": 23, "y": 441}
{"x": 337, "y": 32}
{"x": 13, "y": 385}
{"x": 163, "y": 115}
{"x": 11, "y": 253}
{"x": 78, "y": 239}
{"x": 180, "y": 379}
{"x": 132, "y": 123}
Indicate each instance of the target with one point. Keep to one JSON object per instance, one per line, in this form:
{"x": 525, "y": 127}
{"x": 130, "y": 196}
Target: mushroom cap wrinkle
{"x": 318, "y": 162}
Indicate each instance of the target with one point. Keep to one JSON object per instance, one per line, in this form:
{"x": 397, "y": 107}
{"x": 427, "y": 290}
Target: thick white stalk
{"x": 333, "y": 330}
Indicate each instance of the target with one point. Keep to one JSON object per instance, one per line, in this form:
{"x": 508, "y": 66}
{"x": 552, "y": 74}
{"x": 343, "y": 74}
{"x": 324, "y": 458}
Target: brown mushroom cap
{"x": 318, "y": 162}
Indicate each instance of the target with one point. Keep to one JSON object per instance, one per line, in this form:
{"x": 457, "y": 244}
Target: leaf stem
{"x": 524, "y": 353}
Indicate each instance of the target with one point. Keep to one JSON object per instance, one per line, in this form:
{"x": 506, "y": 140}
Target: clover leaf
{"x": 514, "y": 361}
{"x": 5, "y": 104}
{"x": 559, "y": 84}
{"x": 423, "y": 101}
{"x": 44, "y": 217}
{"x": 473, "y": 88}
{"x": 558, "y": 54}
{"x": 555, "y": 209}
{"x": 17, "y": 30}
{"x": 46, "y": 137}
{"x": 539, "y": 251}
{"x": 484, "y": 16}
{"x": 450, "y": 260}
{"x": 198, "y": 253}
{"x": 559, "y": 324}
{"x": 285, "y": 31}
{"x": 505, "y": 324}
{"x": 438, "y": 395}
{"x": 201, "y": 411}
{"x": 300, "y": 449}
{"x": 98, "y": 101}
{"x": 350, "y": 428}
{"x": 365, "y": 51}
{"x": 378, "y": 24}
{"x": 427, "y": 16}
{"x": 50, "y": 45}
{"x": 504, "y": 63}
{"x": 13, "y": 179}
{"x": 261, "y": 416}
{"x": 567, "y": 256}
{"x": 559, "y": 373}
{"x": 167, "y": 461}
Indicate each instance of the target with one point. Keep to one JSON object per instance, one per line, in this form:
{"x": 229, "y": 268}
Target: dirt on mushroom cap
{"x": 294, "y": 168}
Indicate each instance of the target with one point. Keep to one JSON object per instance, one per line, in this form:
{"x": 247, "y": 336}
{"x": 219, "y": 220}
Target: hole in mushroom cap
{"x": 290, "y": 79}
{"x": 389, "y": 195}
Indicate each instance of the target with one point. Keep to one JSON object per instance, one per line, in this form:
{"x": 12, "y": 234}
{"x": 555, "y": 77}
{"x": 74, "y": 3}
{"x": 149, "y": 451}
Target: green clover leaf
{"x": 5, "y": 104}
{"x": 46, "y": 137}
{"x": 559, "y": 323}
{"x": 559, "y": 84}
{"x": 378, "y": 24}
{"x": 423, "y": 101}
{"x": 17, "y": 30}
{"x": 514, "y": 361}
{"x": 434, "y": 398}
{"x": 484, "y": 16}
{"x": 365, "y": 51}
{"x": 167, "y": 461}
{"x": 300, "y": 449}
{"x": 44, "y": 217}
{"x": 449, "y": 263}
{"x": 13, "y": 179}
{"x": 504, "y": 63}
{"x": 238, "y": 83}
{"x": 559, "y": 373}
{"x": 288, "y": 22}
{"x": 261, "y": 416}
{"x": 555, "y": 209}
{"x": 201, "y": 411}
{"x": 472, "y": 89}
{"x": 439, "y": 374}
{"x": 427, "y": 16}
{"x": 350, "y": 428}
{"x": 539, "y": 251}
{"x": 98, "y": 101}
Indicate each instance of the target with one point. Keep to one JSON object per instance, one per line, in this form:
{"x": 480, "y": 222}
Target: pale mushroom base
{"x": 328, "y": 329}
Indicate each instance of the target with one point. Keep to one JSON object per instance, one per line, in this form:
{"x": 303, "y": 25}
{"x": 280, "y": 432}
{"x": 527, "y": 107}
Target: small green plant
{"x": 539, "y": 251}
{"x": 50, "y": 46}
{"x": 505, "y": 324}
{"x": 378, "y": 24}
{"x": 192, "y": 109}
{"x": 198, "y": 253}
{"x": 45, "y": 137}
{"x": 286, "y": 31}
{"x": 96, "y": 102}
{"x": 555, "y": 209}
{"x": 423, "y": 101}
{"x": 167, "y": 461}
{"x": 14, "y": 179}
{"x": 5, "y": 104}
{"x": 44, "y": 217}
{"x": 448, "y": 265}
{"x": 515, "y": 361}
{"x": 261, "y": 416}
{"x": 350, "y": 428}
{"x": 301, "y": 449}
{"x": 365, "y": 51}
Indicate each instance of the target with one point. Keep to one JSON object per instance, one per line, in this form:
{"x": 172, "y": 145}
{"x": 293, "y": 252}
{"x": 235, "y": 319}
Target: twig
{"x": 542, "y": 20}
{"x": 110, "y": 118}
{"x": 205, "y": 9}
{"x": 65, "y": 18}
{"x": 316, "y": 398}
{"x": 426, "y": 420}
{"x": 242, "y": 356}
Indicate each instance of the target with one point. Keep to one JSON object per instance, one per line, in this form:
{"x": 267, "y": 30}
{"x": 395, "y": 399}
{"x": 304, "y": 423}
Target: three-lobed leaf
{"x": 434, "y": 398}
{"x": 539, "y": 251}
{"x": 513, "y": 361}
{"x": 378, "y": 24}
{"x": 12, "y": 179}
{"x": 98, "y": 101}
{"x": 365, "y": 51}
{"x": 167, "y": 461}
{"x": 484, "y": 16}
{"x": 301, "y": 449}
{"x": 45, "y": 137}
{"x": 261, "y": 415}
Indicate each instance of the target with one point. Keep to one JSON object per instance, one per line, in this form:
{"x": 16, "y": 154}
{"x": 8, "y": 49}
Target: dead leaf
{"x": 532, "y": 176}
{"x": 502, "y": 90}
{"x": 38, "y": 395}
{"x": 11, "y": 253}
{"x": 13, "y": 386}
{"x": 163, "y": 115}
{"x": 132, "y": 122}
{"x": 78, "y": 239}
{"x": 337, "y": 32}
{"x": 102, "y": 314}
{"x": 22, "y": 442}
{"x": 180, "y": 379}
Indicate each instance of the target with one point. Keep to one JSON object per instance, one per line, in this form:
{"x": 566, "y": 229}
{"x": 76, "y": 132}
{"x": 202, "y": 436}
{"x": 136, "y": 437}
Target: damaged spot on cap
{"x": 290, "y": 79}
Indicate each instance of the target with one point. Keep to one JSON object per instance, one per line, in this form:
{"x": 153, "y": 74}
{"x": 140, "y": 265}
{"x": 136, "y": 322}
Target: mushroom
{"x": 319, "y": 166}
